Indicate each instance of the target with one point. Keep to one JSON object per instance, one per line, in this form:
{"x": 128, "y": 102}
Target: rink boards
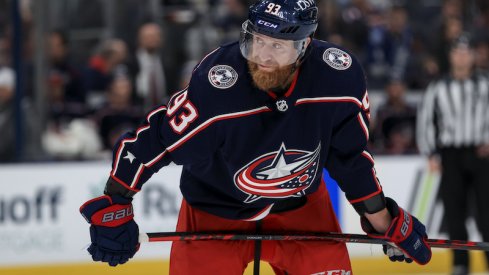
{"x": 40, "y": 224}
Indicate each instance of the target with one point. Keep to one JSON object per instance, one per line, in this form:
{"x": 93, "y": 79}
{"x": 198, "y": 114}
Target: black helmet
{"x": 284, "y": 19}
{"x": 293, "y": 20}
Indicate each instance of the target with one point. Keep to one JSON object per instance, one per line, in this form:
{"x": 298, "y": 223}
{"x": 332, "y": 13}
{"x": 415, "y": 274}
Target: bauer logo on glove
{"x": 113, "y": 232}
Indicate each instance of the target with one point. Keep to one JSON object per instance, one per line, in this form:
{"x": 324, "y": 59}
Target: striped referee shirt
{"x": 454, "y": 113}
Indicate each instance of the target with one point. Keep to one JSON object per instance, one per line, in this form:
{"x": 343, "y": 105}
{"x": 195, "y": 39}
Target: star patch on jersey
{"x": 130, "y": 157}
{"x": 222, "y": 76}
{"x": 337, "y": 59}
{"x": 279, "y": 174}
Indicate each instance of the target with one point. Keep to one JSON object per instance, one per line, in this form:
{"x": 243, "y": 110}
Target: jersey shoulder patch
{"x": 337, "y": 59}
{"x": 222, "y": 76}
{"x": 220, "y": 69}
{"x": 338, "y": 68}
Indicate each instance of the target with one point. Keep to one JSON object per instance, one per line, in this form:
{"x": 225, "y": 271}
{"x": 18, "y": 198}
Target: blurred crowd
{"x": 96, "y": 90}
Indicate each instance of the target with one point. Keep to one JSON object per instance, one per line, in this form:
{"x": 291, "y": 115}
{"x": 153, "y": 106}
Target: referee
{"x": 453, "y": 126}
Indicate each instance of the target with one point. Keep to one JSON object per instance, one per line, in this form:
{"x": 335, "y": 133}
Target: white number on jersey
{"x": 188, "y": 114}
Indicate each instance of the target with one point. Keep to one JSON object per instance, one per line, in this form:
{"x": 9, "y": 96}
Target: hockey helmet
{"x": 290, "y": 20}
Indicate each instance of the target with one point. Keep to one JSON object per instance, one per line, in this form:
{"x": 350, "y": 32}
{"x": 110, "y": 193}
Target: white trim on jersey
{"x": 208, "y": 122}
{"x": 138, "y": 174}
{"x": 130, "y": 140}
{"x": 363, "y": 125}
{"x": 329, "y": 99}
{"x": 202, "y": 126}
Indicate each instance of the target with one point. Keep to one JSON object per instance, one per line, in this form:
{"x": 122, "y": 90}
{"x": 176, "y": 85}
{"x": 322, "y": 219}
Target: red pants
{"x": 232, "y": 257}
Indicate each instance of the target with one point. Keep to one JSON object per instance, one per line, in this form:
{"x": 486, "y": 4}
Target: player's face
{"x": 271, "y": 54}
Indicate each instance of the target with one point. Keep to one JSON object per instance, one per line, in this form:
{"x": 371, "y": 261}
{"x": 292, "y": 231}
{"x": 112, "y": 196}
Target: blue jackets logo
{"x": 279, "y": 174}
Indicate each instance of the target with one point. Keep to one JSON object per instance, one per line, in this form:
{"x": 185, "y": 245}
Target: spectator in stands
{"x": 232, "y": 14}
{"x": 436, "y": 24}
{"x": 4, "y": 52}
{"x": 147, "y": 67}
{"x": 7, "y": 146}
{"x": 108, "y": 60}
{"x": 65, "y": 92}
{"x": 354, "y": 26}
{"x": 388, "y": 47}
{"x": 421, "y": 71}
{"x": 68, "y": 135}
{"x": 331, "y": 26}
{"x": 481, "y": 51}
{"x": 481, "y": 19}
{"x": 30, "y": 143}
{"x": 451, "y": 28}
{"x": 395, "y": 122}
{"x": 119, "y": 114}
{"x": 64, "y": 79}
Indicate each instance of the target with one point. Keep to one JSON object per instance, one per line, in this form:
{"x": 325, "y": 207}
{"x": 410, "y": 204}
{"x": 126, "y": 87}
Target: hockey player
{"x": 255, "y": 127}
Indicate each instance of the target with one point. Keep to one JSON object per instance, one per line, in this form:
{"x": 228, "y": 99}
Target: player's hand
{"x": 113, "y": 232}
{"x": 406, "y": 233}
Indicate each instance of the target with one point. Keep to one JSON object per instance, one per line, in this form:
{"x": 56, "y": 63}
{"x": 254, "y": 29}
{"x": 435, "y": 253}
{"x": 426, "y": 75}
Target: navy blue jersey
{"x": 243, "y": 149}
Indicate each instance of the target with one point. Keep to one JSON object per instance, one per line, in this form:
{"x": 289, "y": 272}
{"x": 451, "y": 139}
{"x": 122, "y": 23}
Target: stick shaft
{"x": 309, "y": 236}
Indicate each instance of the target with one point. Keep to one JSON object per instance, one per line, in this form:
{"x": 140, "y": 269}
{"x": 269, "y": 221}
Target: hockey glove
{"x": 113, "y": 232}
{"x": 407, "y": 234}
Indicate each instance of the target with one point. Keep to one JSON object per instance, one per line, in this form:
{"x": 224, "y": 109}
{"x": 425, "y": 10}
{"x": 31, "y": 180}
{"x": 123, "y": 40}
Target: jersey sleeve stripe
{"x": 368, "y": 156}
{"x": 366, "y": 197}
{"x": 129, "y": 140}
{"x": 113, "y": 176}
{"x": 363, "y": 125}
{"x": 329, "y": 100}
{"x": 138, "y": 175}
{"x": 155, "y": 160}
{"x": 210, "y": 121}
{"x": 374, "y": 175}
{"x": 181, "y": 141}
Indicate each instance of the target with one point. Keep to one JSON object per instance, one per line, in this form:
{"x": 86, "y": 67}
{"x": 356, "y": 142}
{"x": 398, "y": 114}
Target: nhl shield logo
{"x": 282, "y": 105}
{"x": 222, "y": 76}
{"x": 280, "y": 174}
{"x": 337, "y": 58}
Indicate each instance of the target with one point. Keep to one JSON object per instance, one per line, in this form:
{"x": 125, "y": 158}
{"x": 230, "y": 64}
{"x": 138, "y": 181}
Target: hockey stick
{"x": 295, "y": 236}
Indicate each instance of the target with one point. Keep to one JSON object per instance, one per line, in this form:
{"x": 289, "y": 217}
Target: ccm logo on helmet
{"x": 117, "y": 215}
{"x": 267, "y": 24}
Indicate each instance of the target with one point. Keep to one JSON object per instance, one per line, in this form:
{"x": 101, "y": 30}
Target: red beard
{"x": 279, "y": 78}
